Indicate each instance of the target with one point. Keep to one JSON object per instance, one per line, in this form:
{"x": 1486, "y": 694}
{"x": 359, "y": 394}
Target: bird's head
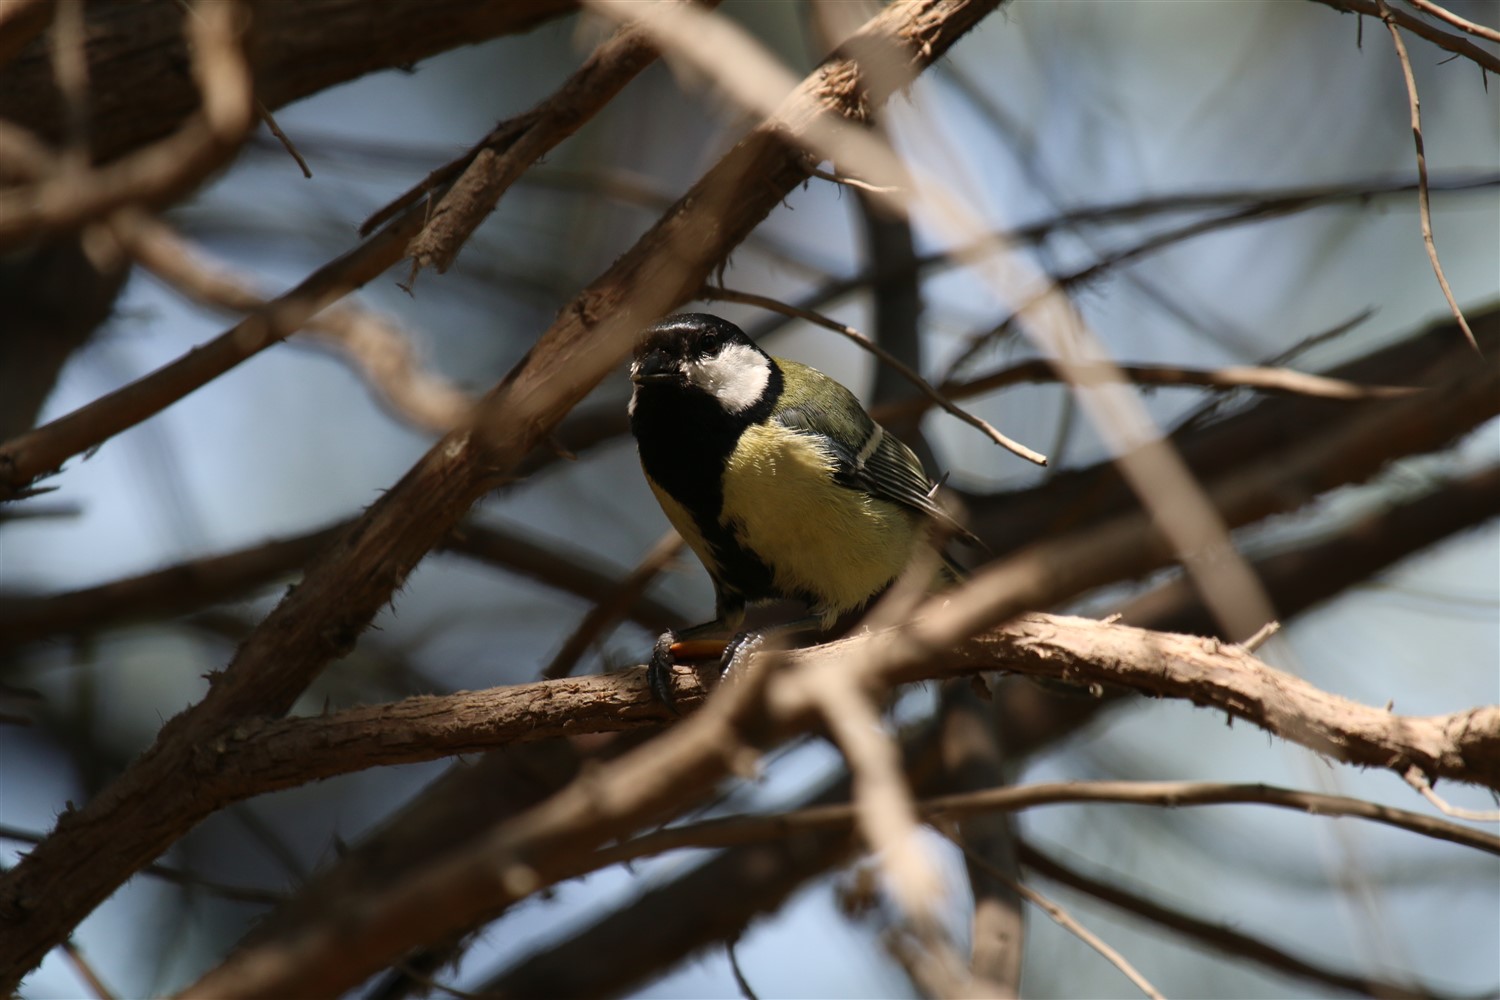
{"x": 697, "y": 353}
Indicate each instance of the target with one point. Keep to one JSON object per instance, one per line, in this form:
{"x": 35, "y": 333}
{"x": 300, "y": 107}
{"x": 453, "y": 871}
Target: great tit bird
{"x": 774, "y": 475}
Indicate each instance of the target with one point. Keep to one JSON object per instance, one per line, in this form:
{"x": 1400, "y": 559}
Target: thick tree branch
{"x": 262, "y": 755}
{"x": 138, "y": 90}
{"x": 45, "y": 449}
{"x": 72, "y": 194}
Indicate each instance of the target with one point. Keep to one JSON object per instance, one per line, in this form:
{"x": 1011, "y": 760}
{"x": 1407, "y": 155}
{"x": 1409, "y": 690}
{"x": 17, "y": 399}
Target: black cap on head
{"x": 690, "y": 335}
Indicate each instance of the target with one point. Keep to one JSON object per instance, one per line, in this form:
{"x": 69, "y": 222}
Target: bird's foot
{"x": 659, "y": 671}
{"x": 738, "y": 650}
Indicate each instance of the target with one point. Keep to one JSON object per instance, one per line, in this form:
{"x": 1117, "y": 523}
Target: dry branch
{"x": 297, "y": 50}
{"x": 1424, "y": 202}
{"x": 44, "y": 449}
{"x": 1437, "y": 36}
{"x": 195, "y": 584}
{"x": 1068, "y": 923}
{"x": 1273, "y": 427}
{"x": 158, "y": 174}
{"x": 1219, "y": 936}
{"x": 262, "y": 755}
{"x": 972, "y": 761}
{"x": 736, "y": 830}
{"x": 372, "y": 344}
{"x": 1283, "y": 381}
{"x": 492, "y": 166}
{"x": 1461, "y": 23}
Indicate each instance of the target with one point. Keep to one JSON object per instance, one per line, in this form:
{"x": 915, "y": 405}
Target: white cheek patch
{"x": 736, "y": 376}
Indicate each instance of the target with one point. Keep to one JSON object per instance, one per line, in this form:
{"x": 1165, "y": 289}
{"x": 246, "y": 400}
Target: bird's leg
{"x": 659, "y": 671}
{"x": 685, "y": 644}
{"x": 689, "y": 645}
{"x": 746, "y": 644}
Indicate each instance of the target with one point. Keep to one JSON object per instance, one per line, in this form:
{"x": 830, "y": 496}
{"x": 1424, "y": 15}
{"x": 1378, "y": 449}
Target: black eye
{"x": 709, "y": 344}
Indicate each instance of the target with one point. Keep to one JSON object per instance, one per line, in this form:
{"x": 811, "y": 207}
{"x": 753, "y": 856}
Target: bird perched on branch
{"x": 775, "y": 476}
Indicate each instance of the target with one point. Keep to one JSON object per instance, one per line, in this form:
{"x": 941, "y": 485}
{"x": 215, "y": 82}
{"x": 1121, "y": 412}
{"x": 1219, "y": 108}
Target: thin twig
{"x": 420, "y": 978}
{"x": 1259, "y": 638}
{"x": 736, "y": 830}
{"x": 261, "y": 111}
{"x": 372, "y": 344}
{"x": 1417, "y": 26}
{"x": 84, "y": 969}
{"x": 177, "y": 876}
{"x": 1416, "y": 779}
{"x": 1063, "y": 919}
{"x": 1220, "y": 937}
{"x": 1423, "y": 202}
{"x": 1461, "y": 23}
{"x": 746, "y": 990}
{"x": 264, "y": 113}
{"x": 1284, "y": 381}
{"x": 853, "y": 182}
{"x": 615, "y": 605}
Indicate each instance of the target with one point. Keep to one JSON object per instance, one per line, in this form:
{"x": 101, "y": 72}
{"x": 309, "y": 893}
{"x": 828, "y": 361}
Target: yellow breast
{"x": 817, "y": 537}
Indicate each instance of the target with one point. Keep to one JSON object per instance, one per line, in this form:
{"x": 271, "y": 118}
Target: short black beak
{"x": 655, "y": 378}
{"x": 655, "y": 367}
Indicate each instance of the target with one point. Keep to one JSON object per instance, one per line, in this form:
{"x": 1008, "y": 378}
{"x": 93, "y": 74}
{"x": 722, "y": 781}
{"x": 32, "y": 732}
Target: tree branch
{"x": 1267, "y": 432}
{"x": 262, "y": 755}
{"x": 1437, "y": 36}
{"x": 198, "y": 583}
{"x": 1220, "y": 937}
{"x": 73, "y": 194}
{"x": 733, "y": 830}
{"x": 297, "y": 50}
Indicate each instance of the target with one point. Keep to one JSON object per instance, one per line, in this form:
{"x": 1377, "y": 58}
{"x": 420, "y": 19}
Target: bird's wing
{"x": 882, "y": 466}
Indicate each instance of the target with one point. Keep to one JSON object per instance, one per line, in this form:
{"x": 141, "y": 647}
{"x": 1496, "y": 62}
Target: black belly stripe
{"x": 684, "y": 438}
